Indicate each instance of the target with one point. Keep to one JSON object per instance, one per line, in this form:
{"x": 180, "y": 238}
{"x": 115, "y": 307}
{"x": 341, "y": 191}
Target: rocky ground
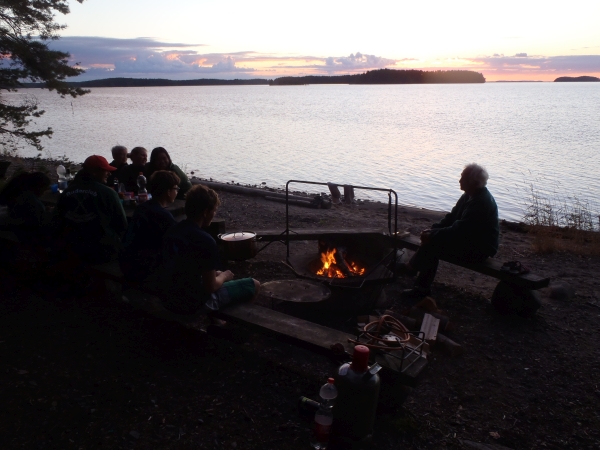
{"x": 91, "y": 372}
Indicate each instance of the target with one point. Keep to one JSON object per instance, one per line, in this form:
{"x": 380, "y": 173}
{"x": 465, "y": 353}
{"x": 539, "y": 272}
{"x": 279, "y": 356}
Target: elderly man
{"x": 90, "y": 215}
{"x": 469, "y": 233}
{"x": 139, "y": 157}
{"x": 120, "y": 155}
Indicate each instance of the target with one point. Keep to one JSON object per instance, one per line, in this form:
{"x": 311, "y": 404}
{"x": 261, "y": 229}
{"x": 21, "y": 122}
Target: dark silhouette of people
{"x": 130, "y": 173}
{"x": 21, "y": 195}
{"x": 160, "y": 160}
{"x": 90, "y": 216}
{"x": 189, "y": 280}
{"x": 469, "y": 233}
{"x": 142, "y": 245}
{"x": 120, "y": 155}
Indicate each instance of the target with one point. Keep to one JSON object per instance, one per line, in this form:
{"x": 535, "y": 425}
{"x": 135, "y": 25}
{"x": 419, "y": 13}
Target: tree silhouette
{"x": 26, "y": 28}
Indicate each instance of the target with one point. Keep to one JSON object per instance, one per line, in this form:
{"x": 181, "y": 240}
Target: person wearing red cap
{"x": 91, "y": 217}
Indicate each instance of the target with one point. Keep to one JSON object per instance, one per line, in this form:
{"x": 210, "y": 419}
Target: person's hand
{"x": 426, "y": 236}
{"x": 218, "y": 272}
{"x": 228, "y": 275}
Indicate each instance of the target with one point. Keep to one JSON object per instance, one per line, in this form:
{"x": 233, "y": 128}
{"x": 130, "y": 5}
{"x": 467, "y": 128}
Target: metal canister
{"x": 307, "y": 407}
{"x": 358, "y": 394}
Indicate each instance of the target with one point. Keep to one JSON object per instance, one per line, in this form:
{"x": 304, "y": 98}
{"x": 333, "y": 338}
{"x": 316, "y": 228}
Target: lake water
{"x": 414, "y": 139}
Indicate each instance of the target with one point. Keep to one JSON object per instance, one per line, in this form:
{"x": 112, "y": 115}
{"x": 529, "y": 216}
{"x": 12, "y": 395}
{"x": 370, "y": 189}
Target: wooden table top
{"x": 177, "y": 208}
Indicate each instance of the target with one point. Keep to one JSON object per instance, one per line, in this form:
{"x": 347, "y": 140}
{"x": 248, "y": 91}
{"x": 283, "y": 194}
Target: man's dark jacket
{"x": 472, "y": 225}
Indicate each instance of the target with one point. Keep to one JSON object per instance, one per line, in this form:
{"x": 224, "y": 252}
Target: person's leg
{"x": 236, "y": 291}
{"x": 425, "y": 261}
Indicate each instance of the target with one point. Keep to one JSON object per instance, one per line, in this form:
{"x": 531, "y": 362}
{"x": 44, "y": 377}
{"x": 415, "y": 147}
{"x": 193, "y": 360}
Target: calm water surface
{"x": 414, "y": 139}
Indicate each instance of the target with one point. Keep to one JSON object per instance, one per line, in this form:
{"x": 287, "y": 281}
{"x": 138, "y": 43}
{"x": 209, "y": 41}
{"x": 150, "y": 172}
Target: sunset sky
{"x": 186, "y": 39}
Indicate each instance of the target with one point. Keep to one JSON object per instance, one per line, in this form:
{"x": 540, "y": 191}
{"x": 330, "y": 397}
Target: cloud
{"x": 102, "y": 50}
{"x": 357, "y": 61}
{"x": 521, "y": 62}
{"x": 147, "y": 57}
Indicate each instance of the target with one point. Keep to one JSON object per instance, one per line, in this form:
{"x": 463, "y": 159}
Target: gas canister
{"x": 358, "y": 393}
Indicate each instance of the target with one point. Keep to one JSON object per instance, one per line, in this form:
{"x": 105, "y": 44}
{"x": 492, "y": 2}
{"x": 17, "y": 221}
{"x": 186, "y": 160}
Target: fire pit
{"x": 350, "y": 261}
{"x": 354, "y": 265}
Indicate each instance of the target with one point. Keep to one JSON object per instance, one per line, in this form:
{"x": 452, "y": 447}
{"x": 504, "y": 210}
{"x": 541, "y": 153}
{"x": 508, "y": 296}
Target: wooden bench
{"x": 319, "y": 338}
{"x": 490, "y": 267}
{"x": 297, "y": 331}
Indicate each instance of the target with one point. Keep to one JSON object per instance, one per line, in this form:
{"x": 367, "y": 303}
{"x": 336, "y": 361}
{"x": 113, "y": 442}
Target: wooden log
{"x": 481, "y": 446}
{"x": 408, "y": 322}
{"x": 293, "y": 201}
{"x": 244, "y": 190}
{"x": 448, "y": 346}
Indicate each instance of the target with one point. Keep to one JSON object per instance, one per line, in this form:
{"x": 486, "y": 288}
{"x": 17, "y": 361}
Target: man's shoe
{"x": 416, "y": 293}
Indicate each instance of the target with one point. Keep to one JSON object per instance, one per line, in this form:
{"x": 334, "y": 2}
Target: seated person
{"x": 119, "y": 162}
{"x": 189, "y": 282}
{"x": 160, "y": 160}
{"x": 469, "y": 233}
{"x": 142, "y": 245}
{"x": 26, "y": 212}
{"x": 90, "y": 216}
{"x": 130, "y": 173}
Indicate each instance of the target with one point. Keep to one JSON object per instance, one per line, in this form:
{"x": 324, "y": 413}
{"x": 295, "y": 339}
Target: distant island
{"x": 381, "y": 76}
{"x": 573, "y": 79}
{"x": 387, "y": 76}
{"x": 156, "y": 82}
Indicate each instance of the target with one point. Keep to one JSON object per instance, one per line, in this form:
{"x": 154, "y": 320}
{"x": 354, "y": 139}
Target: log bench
{"x": 490, "y": 267}
{"x": 297, "y": 331}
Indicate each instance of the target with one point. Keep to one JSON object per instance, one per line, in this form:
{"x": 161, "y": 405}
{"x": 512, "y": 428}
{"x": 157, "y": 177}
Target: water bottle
{"x": 324, "y": 416}
{"x": 62, "y": 178}
{"x": 142, "y": 192}
{"x": 116, "y": 185}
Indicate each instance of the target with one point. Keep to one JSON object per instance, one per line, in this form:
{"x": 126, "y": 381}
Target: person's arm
{"x": 449, "y": 218}
{"x": 184, "y": 184}
{"x": 468, "y": 223}
{"x": 213, "y": 280}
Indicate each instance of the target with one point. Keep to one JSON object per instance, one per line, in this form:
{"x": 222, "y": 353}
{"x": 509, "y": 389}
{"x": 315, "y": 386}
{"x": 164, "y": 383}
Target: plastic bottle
{"x": 358, "y": 386}
{"x": 62, "y": 178}
{"x": 324, "y": 416}
{"x": 142, "y": 192}
{"x": 116, "y": 185}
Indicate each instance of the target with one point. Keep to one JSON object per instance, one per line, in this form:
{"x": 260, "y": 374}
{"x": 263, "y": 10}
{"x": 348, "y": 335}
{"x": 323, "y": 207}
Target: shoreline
{"x": 48, "y": 165}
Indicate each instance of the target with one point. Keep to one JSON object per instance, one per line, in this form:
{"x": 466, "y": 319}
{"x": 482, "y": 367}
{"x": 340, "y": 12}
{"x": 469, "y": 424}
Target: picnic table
{"x": 177, "y": 208}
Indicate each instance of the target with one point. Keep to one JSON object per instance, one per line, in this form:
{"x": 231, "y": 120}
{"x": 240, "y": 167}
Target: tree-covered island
{"x": 388, "y": 76}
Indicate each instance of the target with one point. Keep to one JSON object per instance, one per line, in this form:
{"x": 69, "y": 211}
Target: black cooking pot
{"x": 239, "y": 246}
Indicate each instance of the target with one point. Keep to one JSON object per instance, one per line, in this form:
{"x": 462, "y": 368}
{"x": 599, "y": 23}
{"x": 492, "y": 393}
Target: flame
{"x": 331, "y": 269}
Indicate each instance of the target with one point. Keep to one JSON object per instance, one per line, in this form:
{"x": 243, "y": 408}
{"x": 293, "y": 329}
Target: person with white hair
{"x": 469, "y": 233}
{"x": 119, "y": 162}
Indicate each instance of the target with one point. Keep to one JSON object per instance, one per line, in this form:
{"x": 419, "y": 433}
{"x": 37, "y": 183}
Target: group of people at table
{"x": 89, "y": 227}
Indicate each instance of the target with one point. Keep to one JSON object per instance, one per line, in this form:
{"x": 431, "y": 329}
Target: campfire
{"x": 336, "y": 264}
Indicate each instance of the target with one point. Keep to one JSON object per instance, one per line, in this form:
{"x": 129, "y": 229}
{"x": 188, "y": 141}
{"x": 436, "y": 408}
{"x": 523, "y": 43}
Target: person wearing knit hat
{"x": 90, "y": 214}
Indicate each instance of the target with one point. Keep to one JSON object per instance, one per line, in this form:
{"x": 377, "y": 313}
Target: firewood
{"x": 448, "y": 346}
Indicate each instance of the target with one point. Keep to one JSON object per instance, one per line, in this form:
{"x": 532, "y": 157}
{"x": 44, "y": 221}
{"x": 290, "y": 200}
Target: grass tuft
{"x": 560, "y": 223}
